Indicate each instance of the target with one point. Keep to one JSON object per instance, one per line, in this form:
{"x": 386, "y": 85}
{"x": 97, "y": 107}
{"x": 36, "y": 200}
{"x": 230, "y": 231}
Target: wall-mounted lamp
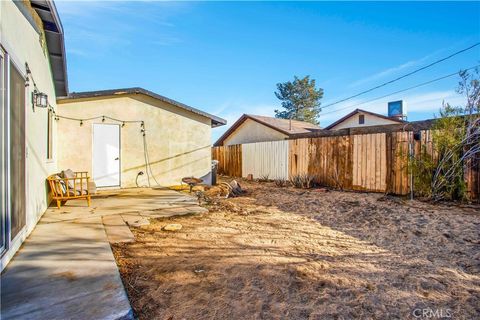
{"x": 39, "y": 99}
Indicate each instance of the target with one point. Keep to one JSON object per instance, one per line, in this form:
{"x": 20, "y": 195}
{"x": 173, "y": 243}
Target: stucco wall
{"x": 178, "y": 141}
{"x": 252, "y": 131}
{"x": 22, "y": 44}
{"x": 370, "y": 120}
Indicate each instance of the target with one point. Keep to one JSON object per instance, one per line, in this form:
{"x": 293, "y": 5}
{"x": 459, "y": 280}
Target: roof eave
{"x": 215, "y": 121}
{"x": 54, "y": 37}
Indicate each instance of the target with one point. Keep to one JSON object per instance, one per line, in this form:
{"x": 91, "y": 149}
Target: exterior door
{"x": 106, "y": 155}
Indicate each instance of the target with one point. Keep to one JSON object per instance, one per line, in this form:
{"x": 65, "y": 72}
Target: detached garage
{"x": 133, "y": 137}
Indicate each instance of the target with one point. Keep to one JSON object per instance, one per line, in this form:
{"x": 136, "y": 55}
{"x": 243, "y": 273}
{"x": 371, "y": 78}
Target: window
{"x": 361, "y": 119}
{"x": 50, "y": 134}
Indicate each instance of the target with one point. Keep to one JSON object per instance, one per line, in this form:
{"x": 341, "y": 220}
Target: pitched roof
{"x": 354, "y": 112}
{"x": 285, "y": 126}
{"x": 216, "y": 121}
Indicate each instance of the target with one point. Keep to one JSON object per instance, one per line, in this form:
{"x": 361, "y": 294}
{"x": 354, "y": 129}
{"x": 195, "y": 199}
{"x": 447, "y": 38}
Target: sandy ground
{"x": 285, "y": 253}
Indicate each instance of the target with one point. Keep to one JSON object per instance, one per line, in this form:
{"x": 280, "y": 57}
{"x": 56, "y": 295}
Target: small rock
{"x": 172, "y": 227}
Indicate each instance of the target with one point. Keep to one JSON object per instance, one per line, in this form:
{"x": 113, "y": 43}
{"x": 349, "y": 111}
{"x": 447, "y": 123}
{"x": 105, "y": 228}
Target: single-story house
{"x": 362, "y": 118}
{"x": 123, "y": 138}
{"x": 32, "y": 65}
{"x": 251, "y": 128}
{"x": 134, "y": 137}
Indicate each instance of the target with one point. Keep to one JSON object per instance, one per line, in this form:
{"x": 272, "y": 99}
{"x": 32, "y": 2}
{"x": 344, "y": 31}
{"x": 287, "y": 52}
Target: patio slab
{"x": 66, "y": 269}
{"x": 116, "y": 229}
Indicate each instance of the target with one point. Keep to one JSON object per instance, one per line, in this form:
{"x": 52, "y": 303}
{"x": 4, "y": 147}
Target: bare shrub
{"x": 304, "y": 181}
{"x": 456, "y": 144}
{"x": 281, "y": 183}
{"x": 264, "y": 178}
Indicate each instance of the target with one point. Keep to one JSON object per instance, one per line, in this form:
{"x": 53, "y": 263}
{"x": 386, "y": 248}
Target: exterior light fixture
{"x": 39, "y": 99}
{"x": 81, "y": 123}
{"x": 103, "y": 119}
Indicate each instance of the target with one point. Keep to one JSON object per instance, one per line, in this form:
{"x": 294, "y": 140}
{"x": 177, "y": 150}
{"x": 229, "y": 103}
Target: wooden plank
{"x": 395, "y": 152}
{"x": 363, "y": 162}
{"x": 378, "y": 164}
{"x": 369, "y": 154}
{"x": 383, "y": 163}
{"x": 388, "y": 163}
{"x": 374, "y": 162}
{"x": 355, "y": 162}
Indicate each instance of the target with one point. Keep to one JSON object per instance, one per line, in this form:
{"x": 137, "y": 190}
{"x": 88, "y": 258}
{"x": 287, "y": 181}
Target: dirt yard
{"x": 285, "y": 253}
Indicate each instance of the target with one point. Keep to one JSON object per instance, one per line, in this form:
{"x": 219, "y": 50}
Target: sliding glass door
{"x": 3, "y": 164}
{"x": 17, "y": 152}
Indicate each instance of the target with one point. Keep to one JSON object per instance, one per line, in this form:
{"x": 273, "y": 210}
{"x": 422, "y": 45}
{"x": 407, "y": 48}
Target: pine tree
{"x": 300, "y": 99}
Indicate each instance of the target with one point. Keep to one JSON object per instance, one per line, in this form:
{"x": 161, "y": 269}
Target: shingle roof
{"x": 216, "y": 121}
{"x": 282, "y": 125}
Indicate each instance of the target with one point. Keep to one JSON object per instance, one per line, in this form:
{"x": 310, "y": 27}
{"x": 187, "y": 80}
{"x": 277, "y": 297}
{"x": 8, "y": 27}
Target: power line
{"x": 403, "y": 76}
{"x": 400, "y": 91}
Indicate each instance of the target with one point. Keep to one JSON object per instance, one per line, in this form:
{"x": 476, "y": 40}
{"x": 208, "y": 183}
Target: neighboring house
{"x": 362, "y": 118}
{"x": 32, "y": 59}
{"x": 252, "y": 128}
{"x": 177, "y": 141}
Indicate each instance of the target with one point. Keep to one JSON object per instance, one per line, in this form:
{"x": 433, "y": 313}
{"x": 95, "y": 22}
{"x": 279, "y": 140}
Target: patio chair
{"x": 69, "y": 185}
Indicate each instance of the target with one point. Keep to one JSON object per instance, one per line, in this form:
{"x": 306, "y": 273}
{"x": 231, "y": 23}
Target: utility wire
{"x": 401, "y": 77}
{"x": 399, "y": 91}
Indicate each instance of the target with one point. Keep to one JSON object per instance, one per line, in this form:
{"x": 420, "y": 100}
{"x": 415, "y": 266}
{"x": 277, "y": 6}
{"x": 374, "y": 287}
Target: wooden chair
{"x": 74, "y": 187}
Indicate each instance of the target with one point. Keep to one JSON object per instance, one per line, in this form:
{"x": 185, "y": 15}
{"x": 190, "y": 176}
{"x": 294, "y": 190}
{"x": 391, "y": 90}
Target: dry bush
{"x": 456, "y": 142}
{"x": 281, "y": 183}
{"x": 304, "y": 181}
{"x": 264, "y": 178}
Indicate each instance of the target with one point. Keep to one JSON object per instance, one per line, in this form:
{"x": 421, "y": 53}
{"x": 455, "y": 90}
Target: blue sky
{"x": 226, "y": 57}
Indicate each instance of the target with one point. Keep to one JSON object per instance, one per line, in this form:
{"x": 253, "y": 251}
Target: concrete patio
{"x": 66, "y": 269}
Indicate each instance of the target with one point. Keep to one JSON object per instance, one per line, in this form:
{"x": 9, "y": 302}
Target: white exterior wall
{"x": 22, "y": 45}
{"x": 370, "y": 120}
{"x": 178, "y": 141}
{"x": 265, "y": 159}
{"x": 252, "y": 131}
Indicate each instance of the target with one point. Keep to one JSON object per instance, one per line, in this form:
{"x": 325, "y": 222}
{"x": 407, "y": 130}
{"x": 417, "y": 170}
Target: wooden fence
{"x": 375, "y": 162}
{"x": 229, "y": 160}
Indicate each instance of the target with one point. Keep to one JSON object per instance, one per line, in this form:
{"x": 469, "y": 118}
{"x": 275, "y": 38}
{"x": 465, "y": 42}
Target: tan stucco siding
{"x": 178, "y": 141}
{"x": 22, "y": 45}
{"x": 252, "y": 131}
{"x": 370, "y": 120}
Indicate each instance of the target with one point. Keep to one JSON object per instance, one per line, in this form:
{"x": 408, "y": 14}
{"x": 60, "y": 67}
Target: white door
{"x": 106, "y": 155}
